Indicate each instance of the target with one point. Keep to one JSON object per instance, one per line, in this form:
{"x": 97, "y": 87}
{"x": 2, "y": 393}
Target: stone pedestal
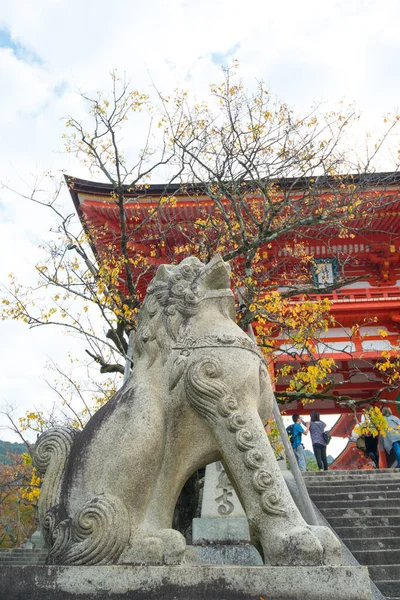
{"x": 244, "y": 555}
{"x": 219, "y": 497}
{"x": 184, "y": 583}
{"x": 220, "y": 531}
{"x": 223, "y": 520}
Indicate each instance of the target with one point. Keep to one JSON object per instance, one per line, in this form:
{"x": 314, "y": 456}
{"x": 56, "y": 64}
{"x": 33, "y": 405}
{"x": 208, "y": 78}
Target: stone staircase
{"x": 363, "y": 507}
{"x": 22, "y": 556}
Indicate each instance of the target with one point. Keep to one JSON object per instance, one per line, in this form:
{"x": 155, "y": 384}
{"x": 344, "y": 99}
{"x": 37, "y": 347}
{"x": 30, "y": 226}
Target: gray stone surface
{"x": 184, "y": 583}
{"x": 200, "y": 392}
{"x": 229, "y": 530}
{"x": 243, "y": 555}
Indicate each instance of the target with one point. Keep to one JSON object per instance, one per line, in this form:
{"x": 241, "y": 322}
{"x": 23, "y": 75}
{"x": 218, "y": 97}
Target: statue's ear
{"x": 164, "y": 272}
{"x": 216, "y": 275}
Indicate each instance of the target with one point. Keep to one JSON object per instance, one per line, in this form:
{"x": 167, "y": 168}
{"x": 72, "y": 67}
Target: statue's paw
{"x": 293, "y": 546}
{"x": 174, "y": 546}
{"x": 331, "y": 545}
{"x": 143, "y": 551}
{"x": 162, "y": 547}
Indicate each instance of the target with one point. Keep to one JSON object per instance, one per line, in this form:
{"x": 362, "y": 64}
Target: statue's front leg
{"x": 273, "y": 517}
{"x": 285, "y": 537}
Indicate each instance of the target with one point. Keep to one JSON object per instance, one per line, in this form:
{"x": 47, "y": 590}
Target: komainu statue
{"x": 199, "y": 392}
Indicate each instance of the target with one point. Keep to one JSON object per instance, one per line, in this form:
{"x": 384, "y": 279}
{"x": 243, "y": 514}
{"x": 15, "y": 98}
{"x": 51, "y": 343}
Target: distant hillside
{"x": 7, "y": 447}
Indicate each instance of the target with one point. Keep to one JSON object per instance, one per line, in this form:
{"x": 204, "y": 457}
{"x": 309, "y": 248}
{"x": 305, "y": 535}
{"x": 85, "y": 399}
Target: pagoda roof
{"x": 366, "y": 180}
{"x": 343, "y": 426}
{"x": 95, "y": 206}
{"x": 351, "y": 458}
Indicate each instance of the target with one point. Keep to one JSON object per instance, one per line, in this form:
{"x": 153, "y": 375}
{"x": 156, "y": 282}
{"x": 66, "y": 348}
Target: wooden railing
{"x": 361, "y": 295}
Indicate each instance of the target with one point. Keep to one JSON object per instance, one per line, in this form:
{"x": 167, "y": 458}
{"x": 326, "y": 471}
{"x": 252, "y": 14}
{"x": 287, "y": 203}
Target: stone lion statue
{"x": 199, "y": 392}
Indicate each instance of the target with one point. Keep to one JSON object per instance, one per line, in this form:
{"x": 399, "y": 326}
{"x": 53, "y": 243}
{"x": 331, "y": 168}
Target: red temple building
{"x": 373, "y": 261}
{"x": 350, "y": 457}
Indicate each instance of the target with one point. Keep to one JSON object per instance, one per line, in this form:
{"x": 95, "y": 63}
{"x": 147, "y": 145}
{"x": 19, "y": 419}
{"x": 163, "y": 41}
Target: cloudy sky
{"x": 50, "y": 50}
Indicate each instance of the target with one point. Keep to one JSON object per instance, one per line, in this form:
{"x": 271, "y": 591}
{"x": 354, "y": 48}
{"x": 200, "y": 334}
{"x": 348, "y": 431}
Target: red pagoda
{"x": 373, "y": 298}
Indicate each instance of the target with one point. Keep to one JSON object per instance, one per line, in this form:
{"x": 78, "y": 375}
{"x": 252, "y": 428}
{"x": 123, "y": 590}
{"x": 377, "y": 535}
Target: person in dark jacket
{"x": 317, "y": 428}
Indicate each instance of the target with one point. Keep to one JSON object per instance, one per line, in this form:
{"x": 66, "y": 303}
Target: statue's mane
{"x": 172, "y": 297}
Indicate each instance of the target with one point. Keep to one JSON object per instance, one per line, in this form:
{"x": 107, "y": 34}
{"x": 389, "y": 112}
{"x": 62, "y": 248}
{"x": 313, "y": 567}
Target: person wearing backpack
{"x": 318, "y": 440}
{"x": 296, "y": 432}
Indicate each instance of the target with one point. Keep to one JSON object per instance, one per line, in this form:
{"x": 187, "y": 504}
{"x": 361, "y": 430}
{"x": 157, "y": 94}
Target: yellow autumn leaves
{"x": 31, "y": 492}
{"x": 373, "y": 423}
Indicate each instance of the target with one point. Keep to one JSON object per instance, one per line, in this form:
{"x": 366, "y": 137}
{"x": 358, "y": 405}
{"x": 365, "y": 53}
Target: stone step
{"x": 22, "y": 562}
{"x": 347, "y": 476}
{"x": 389, "y": 588}
{"x": 12, "y": 555}
{"x": 351, "y": 479}
{"x": 377, "y": 557}
{"x": 23, "y": 550}
{"x": 356, "y": 495}
{"x": 392, "y": 503}
{"x": 364, "y": 509}
{"x": 349, "y": 489}
{"x": 338, "y": 473}
{"x": 385, "y": 572}
{"x": 338, "y": 522}
{"x": 367, "y": 531}
{"x": 389, "y": 543}
{"x": 30, "y": 558}
{"x": 353, "y": 485}
{"x": 24, "y": 554}
{"x": 351, "y": 511}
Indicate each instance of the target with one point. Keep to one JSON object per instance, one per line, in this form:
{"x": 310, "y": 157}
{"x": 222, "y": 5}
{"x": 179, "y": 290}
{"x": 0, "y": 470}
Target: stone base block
{"x": 227, "y": 530}
{"x": 184, "y": 583}
{"x": 224, "y": 555}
